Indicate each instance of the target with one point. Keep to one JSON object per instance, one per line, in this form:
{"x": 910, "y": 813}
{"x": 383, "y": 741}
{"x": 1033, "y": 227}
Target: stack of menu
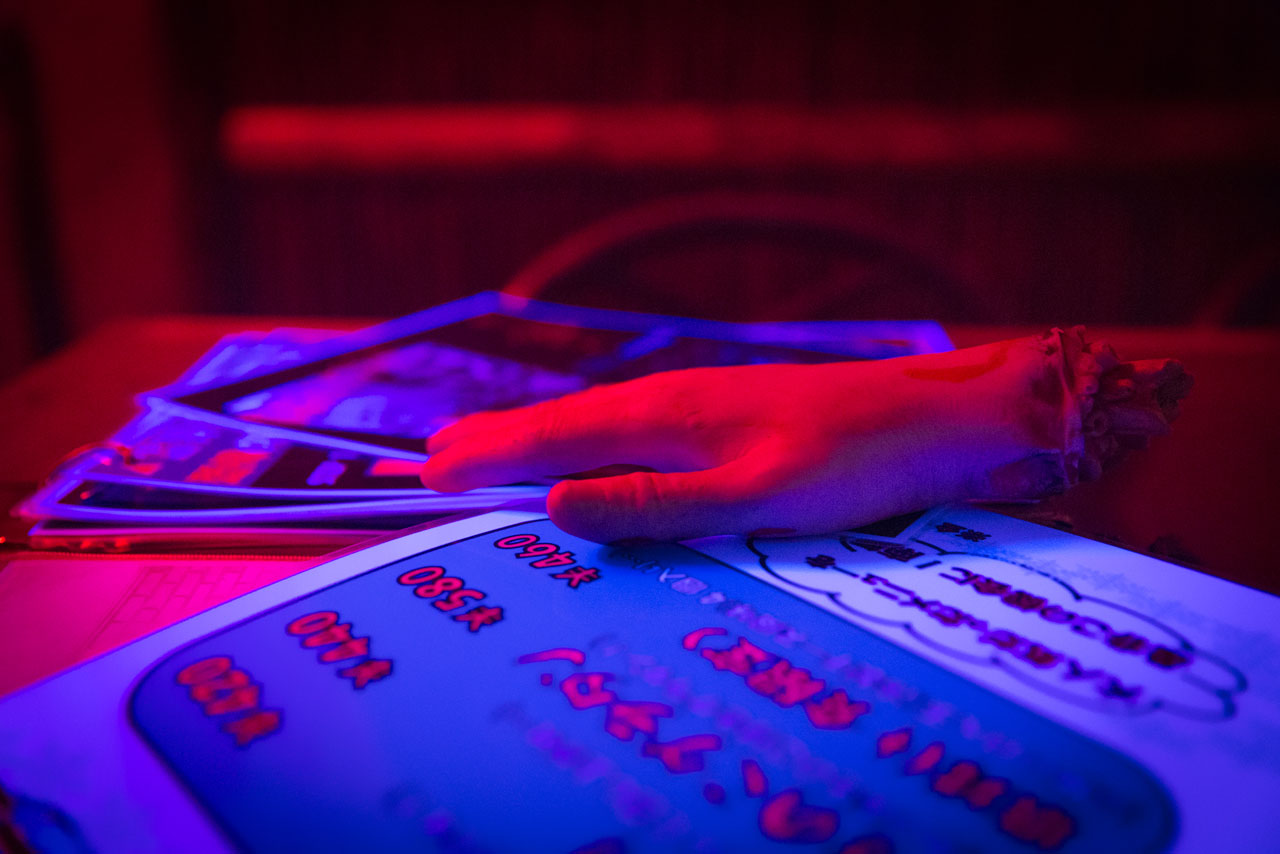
{"x": 300, "y": 436}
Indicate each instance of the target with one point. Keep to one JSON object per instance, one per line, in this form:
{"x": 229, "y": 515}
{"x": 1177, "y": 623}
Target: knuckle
{"x": 549, "y": 424}
{"x": 647, "y": 490}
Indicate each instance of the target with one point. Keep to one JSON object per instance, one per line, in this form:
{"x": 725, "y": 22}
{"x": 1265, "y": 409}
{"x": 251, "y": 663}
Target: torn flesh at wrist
{"x": 1060, "y": 408}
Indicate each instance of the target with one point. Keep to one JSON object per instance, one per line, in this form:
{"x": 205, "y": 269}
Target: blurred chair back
{"x": 747, "y": 256}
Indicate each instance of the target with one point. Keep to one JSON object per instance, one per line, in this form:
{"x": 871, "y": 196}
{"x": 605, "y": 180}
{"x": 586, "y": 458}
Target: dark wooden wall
{"x": 152, "y": 210}
{"x": 808, "y": 51}
{"x": 1053, "y": 242}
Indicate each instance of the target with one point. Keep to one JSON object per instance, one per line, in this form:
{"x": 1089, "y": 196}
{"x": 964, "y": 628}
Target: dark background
{"x": 999, "y": 166}
{"x": 978, "y": 162}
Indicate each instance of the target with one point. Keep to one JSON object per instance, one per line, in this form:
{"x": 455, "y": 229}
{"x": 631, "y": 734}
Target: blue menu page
{"x": 952, "y": 681}
{"x": 524, "y": 689}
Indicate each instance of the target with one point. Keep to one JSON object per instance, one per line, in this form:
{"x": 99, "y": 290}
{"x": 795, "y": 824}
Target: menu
{"x": 950, "y": 681}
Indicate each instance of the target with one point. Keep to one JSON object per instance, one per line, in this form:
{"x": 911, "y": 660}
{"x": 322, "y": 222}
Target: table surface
{"x": 1206, "y": 489}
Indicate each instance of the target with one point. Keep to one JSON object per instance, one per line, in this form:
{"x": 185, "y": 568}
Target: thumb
{"x": 662, "y": 506}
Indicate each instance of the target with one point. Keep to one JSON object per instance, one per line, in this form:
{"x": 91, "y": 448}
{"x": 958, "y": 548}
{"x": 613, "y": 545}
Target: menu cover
{"x": 948, "y": 681}
{"x": 382, "y": 390}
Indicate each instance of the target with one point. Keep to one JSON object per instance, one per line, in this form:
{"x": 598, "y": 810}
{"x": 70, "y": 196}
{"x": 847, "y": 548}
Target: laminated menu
{"x": 954, "y": 680}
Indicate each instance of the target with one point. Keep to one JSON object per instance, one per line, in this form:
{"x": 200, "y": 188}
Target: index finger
{"x": 572, "y": 434}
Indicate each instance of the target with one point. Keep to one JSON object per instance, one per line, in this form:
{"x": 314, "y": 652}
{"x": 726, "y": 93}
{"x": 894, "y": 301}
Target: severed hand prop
{"x": 800, "y": 449}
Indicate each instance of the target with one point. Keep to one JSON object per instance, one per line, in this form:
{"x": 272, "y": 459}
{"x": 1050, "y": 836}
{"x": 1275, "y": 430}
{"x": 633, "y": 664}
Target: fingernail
{"x": 772, "y": 532}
